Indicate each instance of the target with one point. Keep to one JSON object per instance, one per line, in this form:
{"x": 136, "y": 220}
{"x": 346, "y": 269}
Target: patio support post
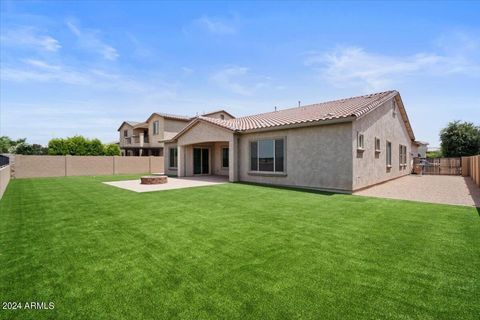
{"x": 233, "y": 159}
{"x": 181, "y": 161}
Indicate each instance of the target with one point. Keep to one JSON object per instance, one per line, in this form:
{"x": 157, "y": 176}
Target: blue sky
{"x": 71, "y": 68}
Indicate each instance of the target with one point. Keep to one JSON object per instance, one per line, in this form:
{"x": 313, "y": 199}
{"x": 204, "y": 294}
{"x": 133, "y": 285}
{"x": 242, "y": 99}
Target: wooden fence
{"x": 60, "y": 166}
{"x": 471, "y": 168}
{"x": 443, "y": 166}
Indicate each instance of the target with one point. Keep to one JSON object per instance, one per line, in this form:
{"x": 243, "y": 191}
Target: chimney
{"x": 299, "y": 103}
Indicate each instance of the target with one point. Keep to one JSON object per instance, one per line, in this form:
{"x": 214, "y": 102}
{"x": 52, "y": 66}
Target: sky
{"x": 69, "y": 68}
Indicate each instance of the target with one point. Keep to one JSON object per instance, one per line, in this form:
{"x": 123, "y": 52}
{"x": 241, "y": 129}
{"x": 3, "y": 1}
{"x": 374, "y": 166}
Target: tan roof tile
{"x": 337, "y": 109}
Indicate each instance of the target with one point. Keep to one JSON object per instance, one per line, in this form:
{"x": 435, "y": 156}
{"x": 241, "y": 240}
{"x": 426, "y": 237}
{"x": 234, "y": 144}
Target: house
{"x": 146, "y": 138}
{"x": 342, "y": 145}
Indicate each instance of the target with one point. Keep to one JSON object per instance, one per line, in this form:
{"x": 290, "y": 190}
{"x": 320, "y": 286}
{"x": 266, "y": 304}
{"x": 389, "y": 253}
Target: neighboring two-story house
{"x": 146, "y": 138}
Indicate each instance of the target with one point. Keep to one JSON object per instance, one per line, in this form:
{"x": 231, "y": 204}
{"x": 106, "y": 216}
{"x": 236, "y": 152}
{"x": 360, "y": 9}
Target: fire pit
{"x": 153, "y": 180}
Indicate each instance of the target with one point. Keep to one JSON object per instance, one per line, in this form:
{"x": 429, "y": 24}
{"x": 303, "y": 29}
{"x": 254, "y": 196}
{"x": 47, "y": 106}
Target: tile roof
{"x": 173, "y": 116}
{"x": 331, "y": 110}
{"x": 132, "y": 123}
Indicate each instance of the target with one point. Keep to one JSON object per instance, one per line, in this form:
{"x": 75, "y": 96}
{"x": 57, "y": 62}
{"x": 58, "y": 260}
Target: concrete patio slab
{"x": 428, "y": 188}
{"x": 173, "y": 183}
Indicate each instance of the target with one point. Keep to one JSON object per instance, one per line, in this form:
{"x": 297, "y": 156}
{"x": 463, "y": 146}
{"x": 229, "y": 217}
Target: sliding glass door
{"x": 201, "y": 161}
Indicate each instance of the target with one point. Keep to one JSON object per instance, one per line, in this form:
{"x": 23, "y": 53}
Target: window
{"x": 389, "y": 154}
{"x": 360, "y": 141}
{"x": 267, "y": 155}
{"x": 377, "y": 145}
{"x": 394, "y": 109}
{"x": 155, "y": 127}
{"x": 125, "y": 133}
{"x": 225, "y": 157}
{"x": 173, "y": 157}
{"x": 222, "y": 117}
{"x": 402, "y": 155}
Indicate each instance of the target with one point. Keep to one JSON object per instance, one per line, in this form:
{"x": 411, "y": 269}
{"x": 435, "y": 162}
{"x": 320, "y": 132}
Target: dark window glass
{"x": 205, "y": 161}
{"x": 253, "y": 156}
{"x": 173, "y": 157}
{"x": 197, "y": 161}
{"x": 225, "y": 157}
{"x": 279, "y": 160}
{"x": 125, "y": 133}
{"x": 265, "y": 155}
{"x": 389, "y": 154}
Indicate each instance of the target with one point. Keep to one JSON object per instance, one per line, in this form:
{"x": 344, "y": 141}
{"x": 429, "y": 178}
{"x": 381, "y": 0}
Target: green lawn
{"x": 233, "y": 251}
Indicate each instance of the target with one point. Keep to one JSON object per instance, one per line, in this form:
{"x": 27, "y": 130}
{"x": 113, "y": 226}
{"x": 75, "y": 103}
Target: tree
{"x": 57, "y": 147}
{"x": 6, "y": 144}
{"x": 112, "y": 149}
{"x": 29, "y": 149}
{"x": 95, "y": 148}
{"x": 80, "y": 146}
{"x": 460, "y": 139}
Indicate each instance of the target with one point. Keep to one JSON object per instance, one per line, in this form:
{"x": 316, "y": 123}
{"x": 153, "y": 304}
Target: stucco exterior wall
{"x": 204, "y": 132}
{"x": 316, "y": 157}
{"x": 4, "y": 179}
{"x": 155, "y": 138}
{"x": 172, "y": 127}
{"x": 121, "y": 139}
{"x": 369, "y": 167}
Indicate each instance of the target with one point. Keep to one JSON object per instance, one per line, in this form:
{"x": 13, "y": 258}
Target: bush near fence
{"x": 471, "y": 168}
{"x": 60, "y": 166}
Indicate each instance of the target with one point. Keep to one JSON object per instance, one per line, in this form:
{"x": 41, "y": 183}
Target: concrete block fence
{"x": 61, "y": 166}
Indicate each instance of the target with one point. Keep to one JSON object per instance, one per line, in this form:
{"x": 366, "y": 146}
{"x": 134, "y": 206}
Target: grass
{"x": 233, "y": 251}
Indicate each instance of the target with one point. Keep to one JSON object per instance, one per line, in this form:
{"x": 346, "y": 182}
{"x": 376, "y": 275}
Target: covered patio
{"x": 202, "y": 149}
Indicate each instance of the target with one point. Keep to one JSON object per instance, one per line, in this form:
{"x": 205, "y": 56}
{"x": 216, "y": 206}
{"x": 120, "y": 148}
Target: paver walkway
{"x": 428, "y": 188}
{"x": 173, "y": 183}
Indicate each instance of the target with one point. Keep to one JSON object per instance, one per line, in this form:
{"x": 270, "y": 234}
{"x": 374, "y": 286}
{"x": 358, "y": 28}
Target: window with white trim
{"x": 360, "y": 141}
{"x": 173, "y": 157}
{"x": 155, "y": 127}
{"x": 389, "y": 154}
{"x": 267, "y": 155}
{"x": 402, "y": 155}
{"x": 125, "y": 133}
{"x": 377, "y": 145}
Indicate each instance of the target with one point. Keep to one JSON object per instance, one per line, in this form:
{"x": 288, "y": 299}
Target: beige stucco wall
{"x": 316, "y": 157}
{"x": 368, "y": 167}
{"x": 130, "y": 165}
{"x": 4, "y": 179}
{"x": 39, "y": 166}
{"x": 172, "y": 127}
{"x": 89, "y": 165}
{"x": 168, "y": 128}
{"x": 58, "y": 166}
{"x": 121, "y": 139}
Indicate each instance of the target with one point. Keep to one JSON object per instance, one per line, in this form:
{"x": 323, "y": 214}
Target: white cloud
{"x": 240, "y": 80}
{"x": 215, "y": 25}
{"x": 29, "y": 37}
{"x": 228, "y": 79}
{"x": 34, "y": 70}
{"x": 90, "y": 40}
{"x": 349, "y": 66}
